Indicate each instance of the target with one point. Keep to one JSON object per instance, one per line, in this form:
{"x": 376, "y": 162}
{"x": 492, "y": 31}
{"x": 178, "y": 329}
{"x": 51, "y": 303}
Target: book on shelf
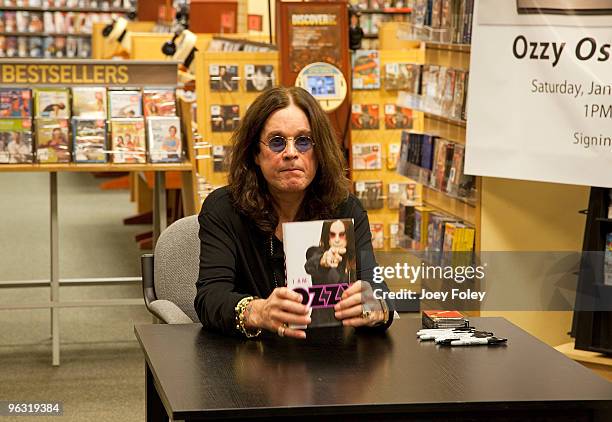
{"x": 220, "y": 157}
{"x": 393, "y": 152}
{"x": 224, "y": 118}
{"x": 421, "y": 224}
{"x": 444, "y": 319}
{"x": 436, "y": 230}
{"x": 52, "y": 144}
{"x": 89, "y": 140}
{"x": 164, "y": 139}
{"x": 320, "y": 262}
{"x": 402, "y": 76}
{"x": 124, "y": 103}
{"x": 367, "y": 156}
{"x": 366, "y": 69}
{"x": 15, "y": 102}
{"x": 223, "y": 78}
{"x": 397, "y": 117}
{"x": 159, "y": 102}
{"x": 378, "y": 235}
{"x": 128, "y": 141}
{"x": 16, "y": 141}
{"x": 259, "y": 77}
{"x": 365, "y": 116}
{"x": 370, "y": 193}
{"x": 52, "y": 103}
{"x": 89, "y": 102}
{"x": 394, "y": 241}
{"x": 401, "y": 193}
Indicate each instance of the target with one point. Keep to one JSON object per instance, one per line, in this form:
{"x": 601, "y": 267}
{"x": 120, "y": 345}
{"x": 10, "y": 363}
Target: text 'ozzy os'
{"x": 587, "y": 48}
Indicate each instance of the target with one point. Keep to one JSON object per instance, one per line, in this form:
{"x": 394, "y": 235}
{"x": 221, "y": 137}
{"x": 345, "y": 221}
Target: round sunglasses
{"x": 277, "y": 144}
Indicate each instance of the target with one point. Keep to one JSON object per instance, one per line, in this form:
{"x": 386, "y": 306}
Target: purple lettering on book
{"x": 322, "y": 295}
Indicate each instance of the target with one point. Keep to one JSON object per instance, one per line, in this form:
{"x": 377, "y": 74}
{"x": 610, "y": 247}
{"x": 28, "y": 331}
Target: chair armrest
{"x": 148, "y": 278}
{"x": 168, "y": 312}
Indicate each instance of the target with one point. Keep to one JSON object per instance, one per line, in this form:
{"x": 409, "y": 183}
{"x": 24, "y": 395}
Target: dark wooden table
{"x": 192, "y": 374}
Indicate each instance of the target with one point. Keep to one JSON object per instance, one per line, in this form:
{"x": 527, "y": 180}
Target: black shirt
{"x": 239, "y": 260}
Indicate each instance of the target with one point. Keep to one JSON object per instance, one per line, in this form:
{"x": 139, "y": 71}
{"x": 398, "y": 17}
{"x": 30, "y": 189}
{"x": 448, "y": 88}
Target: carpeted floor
{"x": 101, "y": 376}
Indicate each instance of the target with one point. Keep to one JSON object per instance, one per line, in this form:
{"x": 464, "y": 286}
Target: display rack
{"x": 139, "y": 74}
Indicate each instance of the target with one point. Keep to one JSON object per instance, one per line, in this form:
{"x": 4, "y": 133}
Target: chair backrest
{"x": 177, "y": 263}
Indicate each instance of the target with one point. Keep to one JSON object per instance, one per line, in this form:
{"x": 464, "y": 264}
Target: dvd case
{"x": 89, "y": 102}
{"x": 89, "y": 140}
{"x": 370, "y": 194}
{"x": 367, "y": 157}
{"x": 223, "y": 78}
{"x": 15, "y": 102}
{"x": 159, "y": 102}
{"x": 124, "y": 104}
{"x": 364, "y": 116}
{"x": 52, "y": 102}
{"x": 320, "y": 258}
{"x": 224, "y": 118}
{"x": 258, "y": 77}
{"x": 52, "y": 145}
{"x": 16, "y": 141}
{"x": 164, "y": 135}
{"x": 128, "y": 140}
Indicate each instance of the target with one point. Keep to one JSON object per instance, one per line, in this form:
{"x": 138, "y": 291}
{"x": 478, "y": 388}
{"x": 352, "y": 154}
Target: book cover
{"x": 397, "y": 117}
{"x": 367, "y": 157}
{"x": 458, "y": 95}
{"x": 427, "y": 151}
{"x": 448, "y": 92}
{"x": 220, "y": 157}
{"x": 378, "y": 235}
{"x": 16, "y": 141}
{"x": 320, "y": 260}
{"x": 259, "y": 77}
{"x": 89, "y": 140}
{"x": 36, "y": 47}
{"x": 370, "y": 194}
{"x": 224, "y": 118}
{"x": 364, "y": 116}
{"x": 452, "y": 187}
{"x": 421, "y": 226}
{"x": 402, "y": 76}
{"x": 128, "y": 141}
{"x": 401, "y": 193}
{"x": 223, "y": 78}
{"x": 159, "y": 102}
{"x": 124, "y": 104}
{"x": 394, "y": 241}
{"x": 366, "y": 69}
{"x": 393, "y": 153}
{"x": 164, "y": 140}
{"x": 52, "y": 102}
{"x": 15, "y": 102}
{"x": 52, "y": 144}
{"x": 89, "y": 102}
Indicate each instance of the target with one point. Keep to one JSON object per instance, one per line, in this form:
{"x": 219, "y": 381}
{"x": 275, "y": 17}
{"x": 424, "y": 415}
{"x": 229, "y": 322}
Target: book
{"x": 394, "y": 240}
{"x": 259, "y": 77}
{"x": 16, "y": 141}
{"x": 364, "y": 116}
{"x": 370, "y": 193}
{"x": 402, "y": 76}
{"x": 397, "y": 117}
{"x": 164, "y": 136}
{"x": 124, "y": 104}
{"x": 223, "y": 78}
{"x": 89, "y": 140}
{"x": 220, "y": 157}
{"x": 367, "y": 157}
{"x": 128, "y": 140}
{"x": 456, "y": 171}
{"x": 608, "y": 260}
{"x": 366, "y": 69}
{"x": 52, "y": 144}
{"x": 444, "y": 319}
{"x": 15, "y": 102}
{"x": 89, "y": 102}
{"x": 458, "y": 102}
{"x": 393, "y": 153}
{"x": 52, "y": 102}
{"x": 159, "y": 102}
{"x": 320, "y": 262}
{"x": 224, "y": 118}
{"x": 401, "y": 193}
{"x": 378, "y": 235}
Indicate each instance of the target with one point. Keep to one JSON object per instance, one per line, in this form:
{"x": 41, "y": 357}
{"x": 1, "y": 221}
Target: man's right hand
{"x": 281, "y": 308}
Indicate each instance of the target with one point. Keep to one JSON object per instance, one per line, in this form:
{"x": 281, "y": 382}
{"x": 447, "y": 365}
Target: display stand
{"x": 138, "y": 75}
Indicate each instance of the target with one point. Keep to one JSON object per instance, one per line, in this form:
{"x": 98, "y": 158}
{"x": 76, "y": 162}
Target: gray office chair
{"x": 169, "y": 275}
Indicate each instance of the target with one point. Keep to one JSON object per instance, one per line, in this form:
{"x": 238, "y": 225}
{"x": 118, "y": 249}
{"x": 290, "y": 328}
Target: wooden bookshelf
{"x": 95, "y": 167}
{"x": 453, "y": 130}
{"x": 450, "y": 55}
{"x": 65, "y": 9}
{"x": 43, "y": 34}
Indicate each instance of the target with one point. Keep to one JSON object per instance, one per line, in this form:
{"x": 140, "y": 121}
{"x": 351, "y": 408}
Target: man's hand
{"x": 355, "y": 300}
{"x": 281, "y": 308}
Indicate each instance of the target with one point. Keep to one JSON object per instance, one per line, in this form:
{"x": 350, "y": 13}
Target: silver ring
{"x": 365, "y": 314}
{"x": 281, "y": 330}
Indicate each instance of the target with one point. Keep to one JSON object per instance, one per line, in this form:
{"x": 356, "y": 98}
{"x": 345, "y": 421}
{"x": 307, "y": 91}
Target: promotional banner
{"x": 540, "y": 91}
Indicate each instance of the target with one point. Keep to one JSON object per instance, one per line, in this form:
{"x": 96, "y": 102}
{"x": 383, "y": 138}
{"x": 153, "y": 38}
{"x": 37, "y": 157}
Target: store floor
{"x": 101, "y": 376}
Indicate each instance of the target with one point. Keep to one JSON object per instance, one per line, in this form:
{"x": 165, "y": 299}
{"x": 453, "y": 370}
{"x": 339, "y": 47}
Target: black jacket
{"x": 235, "y": 259}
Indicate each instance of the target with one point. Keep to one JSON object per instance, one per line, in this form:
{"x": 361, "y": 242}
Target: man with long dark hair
{"x": 286, "y": 165}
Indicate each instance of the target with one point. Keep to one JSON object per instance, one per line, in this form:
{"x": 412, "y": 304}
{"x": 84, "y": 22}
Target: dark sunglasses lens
{"x": 303, "y": 143}
{"x": 277, "y": 144}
